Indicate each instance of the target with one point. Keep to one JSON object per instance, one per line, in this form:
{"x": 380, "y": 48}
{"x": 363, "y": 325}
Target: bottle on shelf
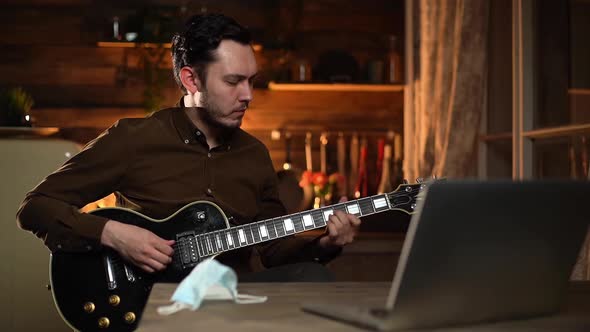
{"x": 394, "y": 66}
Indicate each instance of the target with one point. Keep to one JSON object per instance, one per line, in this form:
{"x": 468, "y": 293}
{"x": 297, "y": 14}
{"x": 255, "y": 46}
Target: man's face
{"x": 228, "y": 87}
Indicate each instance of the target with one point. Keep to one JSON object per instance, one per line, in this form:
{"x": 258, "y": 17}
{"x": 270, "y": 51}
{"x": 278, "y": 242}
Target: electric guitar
{"x": 97, "y": 291}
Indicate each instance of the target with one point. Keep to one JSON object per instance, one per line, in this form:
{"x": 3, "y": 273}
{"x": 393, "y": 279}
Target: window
{"x": 537, "y": 123}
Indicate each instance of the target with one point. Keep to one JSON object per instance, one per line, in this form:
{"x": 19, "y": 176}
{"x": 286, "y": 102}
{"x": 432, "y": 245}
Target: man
{"x": 192, "y": 152}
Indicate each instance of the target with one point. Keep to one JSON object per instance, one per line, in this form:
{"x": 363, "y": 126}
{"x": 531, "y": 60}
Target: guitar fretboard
{"x": 209, "y": 244}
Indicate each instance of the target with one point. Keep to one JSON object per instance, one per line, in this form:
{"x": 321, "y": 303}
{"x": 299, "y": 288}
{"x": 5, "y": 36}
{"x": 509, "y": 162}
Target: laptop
{"x": 479, "y": 252}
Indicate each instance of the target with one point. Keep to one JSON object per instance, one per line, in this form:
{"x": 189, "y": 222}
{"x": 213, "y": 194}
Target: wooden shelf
{"x": 579, "y": 91}
{"x": 86, "y": 117}
{"x": 570, "y": 130}
{"x": 27, "y": 131}
{"x": 134, "y": 45}
{"x": 561, "y": 131}
{"x": 334, "y": 87}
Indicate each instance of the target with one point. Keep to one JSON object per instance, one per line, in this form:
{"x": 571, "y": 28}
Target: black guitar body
{"x": 98, "y": 291}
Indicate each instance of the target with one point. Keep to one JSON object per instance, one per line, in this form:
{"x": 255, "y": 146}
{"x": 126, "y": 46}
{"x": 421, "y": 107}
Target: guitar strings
{"x": 215, "y": 242}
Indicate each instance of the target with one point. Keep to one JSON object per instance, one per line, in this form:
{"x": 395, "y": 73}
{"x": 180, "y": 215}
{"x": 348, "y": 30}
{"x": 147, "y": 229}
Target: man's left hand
{"x": 341, "y": 230}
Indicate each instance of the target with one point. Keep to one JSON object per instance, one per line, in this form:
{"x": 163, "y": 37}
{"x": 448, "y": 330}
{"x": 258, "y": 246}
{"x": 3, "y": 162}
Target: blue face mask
{"x": 209, "y": 280}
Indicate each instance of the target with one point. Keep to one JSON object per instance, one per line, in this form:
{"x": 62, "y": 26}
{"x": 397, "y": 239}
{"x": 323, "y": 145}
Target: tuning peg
{"x": 419, "y": 180}
{"x": 405, "y": 181}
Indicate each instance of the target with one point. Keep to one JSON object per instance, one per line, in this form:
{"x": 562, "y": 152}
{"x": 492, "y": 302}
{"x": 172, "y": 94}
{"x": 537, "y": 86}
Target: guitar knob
{"x": 114, "y": 300}
{"x": 129, "y": 317}
{"x": 413, "y": 206}
{"x": 89, "y": 307}
{"x": 103, "y": 322}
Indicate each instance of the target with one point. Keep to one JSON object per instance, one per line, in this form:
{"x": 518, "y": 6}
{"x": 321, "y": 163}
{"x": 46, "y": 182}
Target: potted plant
{"x": 15, "y": 104}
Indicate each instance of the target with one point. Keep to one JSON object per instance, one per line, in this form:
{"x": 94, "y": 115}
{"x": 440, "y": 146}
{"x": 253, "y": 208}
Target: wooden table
{"x": 282, "y": 311}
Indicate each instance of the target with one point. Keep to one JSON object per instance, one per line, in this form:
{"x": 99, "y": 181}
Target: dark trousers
{"x": 299, "y": 272}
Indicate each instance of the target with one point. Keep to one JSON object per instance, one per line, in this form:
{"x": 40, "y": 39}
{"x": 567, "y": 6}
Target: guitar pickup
{"x": 187, "y": 247}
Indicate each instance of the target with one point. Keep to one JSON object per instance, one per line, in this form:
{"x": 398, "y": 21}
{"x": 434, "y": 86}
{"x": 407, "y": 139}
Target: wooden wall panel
{"x": 59, "y": 75}
{"x": 99, "y": 118}
{"x": 333, "y": 111}
{"x": 579, "y": 103}
{"x": 326, "y": 110}
{"x": 30, "y": 25}
{"x": 49, "y": 47}
{"x": 86, "y": 95}
{"x": 53, "y": 3}
{"x": 72, "y": 55}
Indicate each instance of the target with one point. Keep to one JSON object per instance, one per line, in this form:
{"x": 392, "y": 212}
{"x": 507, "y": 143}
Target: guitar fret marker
{"x": 263, "y": 231}
{"x": 380, "y": 202}
{"x": 209, "y": 246}
{"x": 288, "y": 225}
{"x": 230, "y": 242}
{"x": 307, "y": 220}
{"x": 353, "y": 208}
{"x": 327, "y": 214}
{"x": 242, "y": 235}
{"x": 218, "y": 241}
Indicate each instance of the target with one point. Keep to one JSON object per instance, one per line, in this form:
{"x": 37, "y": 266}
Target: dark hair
{"x": 195, "y": 45}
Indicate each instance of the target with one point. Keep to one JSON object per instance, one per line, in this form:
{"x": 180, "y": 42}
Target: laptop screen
{"x": 478, "y": 251}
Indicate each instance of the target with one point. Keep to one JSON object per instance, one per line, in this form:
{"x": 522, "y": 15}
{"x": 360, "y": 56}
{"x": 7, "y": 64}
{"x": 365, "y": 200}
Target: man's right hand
{"x": 139, "y": 246}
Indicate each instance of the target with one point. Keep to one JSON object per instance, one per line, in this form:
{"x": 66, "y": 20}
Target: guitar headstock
{"x": 405, "y": 198}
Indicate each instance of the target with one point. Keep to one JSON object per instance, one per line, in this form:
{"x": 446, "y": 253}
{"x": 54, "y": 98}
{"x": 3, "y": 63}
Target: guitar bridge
{"x": 188, "y": 250}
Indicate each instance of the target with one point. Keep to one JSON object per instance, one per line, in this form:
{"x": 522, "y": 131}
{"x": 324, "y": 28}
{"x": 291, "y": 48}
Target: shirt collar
{"x": 191, "y": 134}
{"x": 184, "y": 126}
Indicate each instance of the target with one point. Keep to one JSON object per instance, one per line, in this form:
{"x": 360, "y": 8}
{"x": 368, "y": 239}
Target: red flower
{"x": 319, "y": 179}
{"x": 306, "y": 179}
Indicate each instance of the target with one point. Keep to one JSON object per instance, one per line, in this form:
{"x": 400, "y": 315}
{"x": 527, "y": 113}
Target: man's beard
{"x": 212, "y": 114}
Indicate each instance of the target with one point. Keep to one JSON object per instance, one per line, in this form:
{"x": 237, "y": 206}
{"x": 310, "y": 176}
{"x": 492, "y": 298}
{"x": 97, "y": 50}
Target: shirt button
{"x": 228, "y": 147}
{"x": 185, "y": 141}
{"x": 209, "y": 154}
{"x": 59, "y": 246}
{"x": 88, "y": 247}
{"x": 209, "y": 191}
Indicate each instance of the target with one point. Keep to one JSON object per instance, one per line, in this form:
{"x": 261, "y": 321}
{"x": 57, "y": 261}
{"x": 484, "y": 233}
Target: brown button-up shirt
{"x": 156, "y": 166}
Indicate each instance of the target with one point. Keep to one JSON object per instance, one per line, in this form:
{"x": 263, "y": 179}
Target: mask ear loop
{"x": 172, "y": 308}
{"x": 250, "y": 299}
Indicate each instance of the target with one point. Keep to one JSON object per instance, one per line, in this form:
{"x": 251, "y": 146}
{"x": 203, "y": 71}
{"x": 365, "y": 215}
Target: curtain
{"x": 582, "y": 267}
{"x": 449, "y": 88}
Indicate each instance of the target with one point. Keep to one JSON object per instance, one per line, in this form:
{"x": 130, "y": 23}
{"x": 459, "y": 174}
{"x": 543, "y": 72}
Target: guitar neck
{"x": 212, "y": 243}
